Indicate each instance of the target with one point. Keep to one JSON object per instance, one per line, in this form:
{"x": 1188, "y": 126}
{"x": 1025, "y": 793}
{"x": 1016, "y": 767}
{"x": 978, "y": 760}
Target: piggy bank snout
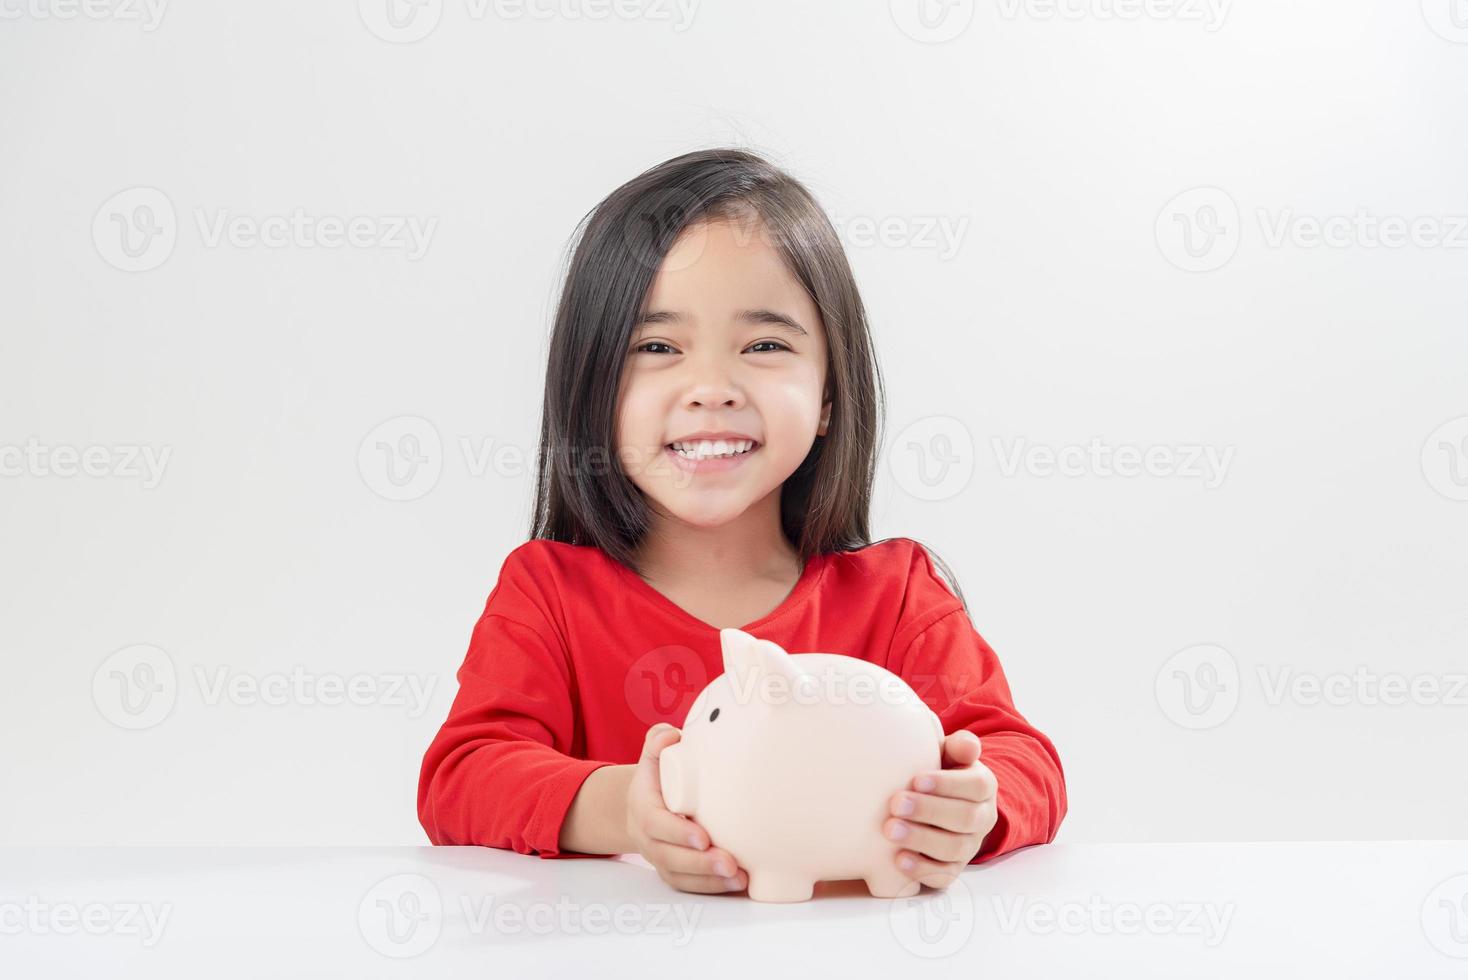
{"x": 676, "y": 776}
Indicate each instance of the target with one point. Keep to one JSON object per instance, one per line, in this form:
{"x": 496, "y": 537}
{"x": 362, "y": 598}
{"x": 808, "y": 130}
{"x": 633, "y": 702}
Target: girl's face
{"x": 728, "y": 342}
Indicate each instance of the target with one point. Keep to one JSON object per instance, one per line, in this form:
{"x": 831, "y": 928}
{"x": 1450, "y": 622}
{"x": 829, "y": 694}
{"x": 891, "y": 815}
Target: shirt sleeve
{"x": 966, "y": 686}
{"x": 958, "y": 675}
{"x": 499, "y": 772}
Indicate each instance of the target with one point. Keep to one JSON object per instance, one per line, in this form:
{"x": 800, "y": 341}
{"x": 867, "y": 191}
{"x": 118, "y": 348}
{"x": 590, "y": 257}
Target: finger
{"x": 661, "y": 824}
{"x": 934, "y": 874}
{"x": 658, "y": 737}
{"x": 712, "y": 863}
{"x": 647, "y": 778}
{"x": 976, "y": 783}
{"x": 948, "y": 813}
{"x": 962, "y": 748}
{"x": 939, "y": 845}
{"x": 706, "y": 884}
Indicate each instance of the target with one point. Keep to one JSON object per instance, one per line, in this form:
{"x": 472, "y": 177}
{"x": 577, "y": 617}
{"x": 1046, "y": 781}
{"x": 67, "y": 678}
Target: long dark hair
{"x": 582, "y": 495}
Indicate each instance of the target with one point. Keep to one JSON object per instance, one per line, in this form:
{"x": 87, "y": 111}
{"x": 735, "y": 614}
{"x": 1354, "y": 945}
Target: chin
{"x": 707, "y": 517}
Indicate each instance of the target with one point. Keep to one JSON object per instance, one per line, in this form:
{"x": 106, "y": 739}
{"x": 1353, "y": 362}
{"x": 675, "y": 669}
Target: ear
{"x": 825, "y": 423}
{"x": 751, "y": 662}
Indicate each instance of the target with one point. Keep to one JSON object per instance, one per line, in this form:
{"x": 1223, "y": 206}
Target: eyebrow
{"x": 772, "y": 317}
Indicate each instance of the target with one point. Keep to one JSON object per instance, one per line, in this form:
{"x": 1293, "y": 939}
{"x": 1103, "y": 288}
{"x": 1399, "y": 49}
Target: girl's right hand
{"x": 677, "y": 847}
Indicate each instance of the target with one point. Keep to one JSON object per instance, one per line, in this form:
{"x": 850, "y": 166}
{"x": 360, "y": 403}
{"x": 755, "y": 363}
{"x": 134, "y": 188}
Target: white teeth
{"x": 709, "y": 448}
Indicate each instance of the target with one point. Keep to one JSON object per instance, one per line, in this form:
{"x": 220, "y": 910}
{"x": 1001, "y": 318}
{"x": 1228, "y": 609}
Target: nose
{"x": 713, "y": 387}
{"x": 711, "y": 397}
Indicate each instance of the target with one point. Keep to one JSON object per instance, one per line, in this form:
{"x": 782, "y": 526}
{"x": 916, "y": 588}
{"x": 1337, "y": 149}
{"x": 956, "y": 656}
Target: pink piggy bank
{"x": 789, "y": 761}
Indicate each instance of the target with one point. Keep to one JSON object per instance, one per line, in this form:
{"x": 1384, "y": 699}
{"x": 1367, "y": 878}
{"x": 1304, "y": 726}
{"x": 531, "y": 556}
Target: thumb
{"x": 963, "y": 748}
{"x": 652, "y": 746}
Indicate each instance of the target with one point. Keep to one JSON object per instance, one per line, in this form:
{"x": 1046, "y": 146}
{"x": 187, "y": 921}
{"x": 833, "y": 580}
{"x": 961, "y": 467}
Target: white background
{"x": 1068, "y": 308}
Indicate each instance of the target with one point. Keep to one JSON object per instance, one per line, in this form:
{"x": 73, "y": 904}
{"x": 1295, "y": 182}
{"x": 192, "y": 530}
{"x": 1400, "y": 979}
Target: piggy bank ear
{"x": 748, "y": 658}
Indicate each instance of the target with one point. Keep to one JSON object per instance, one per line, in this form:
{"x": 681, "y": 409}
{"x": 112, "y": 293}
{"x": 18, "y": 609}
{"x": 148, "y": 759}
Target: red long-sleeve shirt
{"x": 575, "y": 657}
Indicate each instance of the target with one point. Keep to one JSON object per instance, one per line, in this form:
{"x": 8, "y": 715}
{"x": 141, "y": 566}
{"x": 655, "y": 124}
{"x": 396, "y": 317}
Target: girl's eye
{"x": 641, "y": 348}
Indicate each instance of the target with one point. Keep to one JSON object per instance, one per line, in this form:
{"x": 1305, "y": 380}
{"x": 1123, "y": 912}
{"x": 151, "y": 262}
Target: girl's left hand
{"x": 942, "y": 825}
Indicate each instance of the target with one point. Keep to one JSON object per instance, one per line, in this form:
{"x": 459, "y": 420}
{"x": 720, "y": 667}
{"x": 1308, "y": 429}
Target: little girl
{"x": 708, "y": 444}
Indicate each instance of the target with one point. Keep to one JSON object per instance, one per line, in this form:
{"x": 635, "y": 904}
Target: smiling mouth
{"x": 695, "y": 452}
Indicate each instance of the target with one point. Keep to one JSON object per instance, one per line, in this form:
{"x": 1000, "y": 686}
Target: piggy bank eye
{"x": 714, "y": 715}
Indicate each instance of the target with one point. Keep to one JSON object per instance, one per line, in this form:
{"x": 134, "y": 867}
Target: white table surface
{"x": 1386, "y": 909}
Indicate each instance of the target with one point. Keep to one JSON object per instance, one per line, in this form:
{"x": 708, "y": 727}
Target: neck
{"x": 750, "y": 546}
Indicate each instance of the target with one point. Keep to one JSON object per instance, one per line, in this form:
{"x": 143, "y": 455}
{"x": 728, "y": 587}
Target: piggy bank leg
{"x": 770, "y": 886}
{"x": 892, "y": 883}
